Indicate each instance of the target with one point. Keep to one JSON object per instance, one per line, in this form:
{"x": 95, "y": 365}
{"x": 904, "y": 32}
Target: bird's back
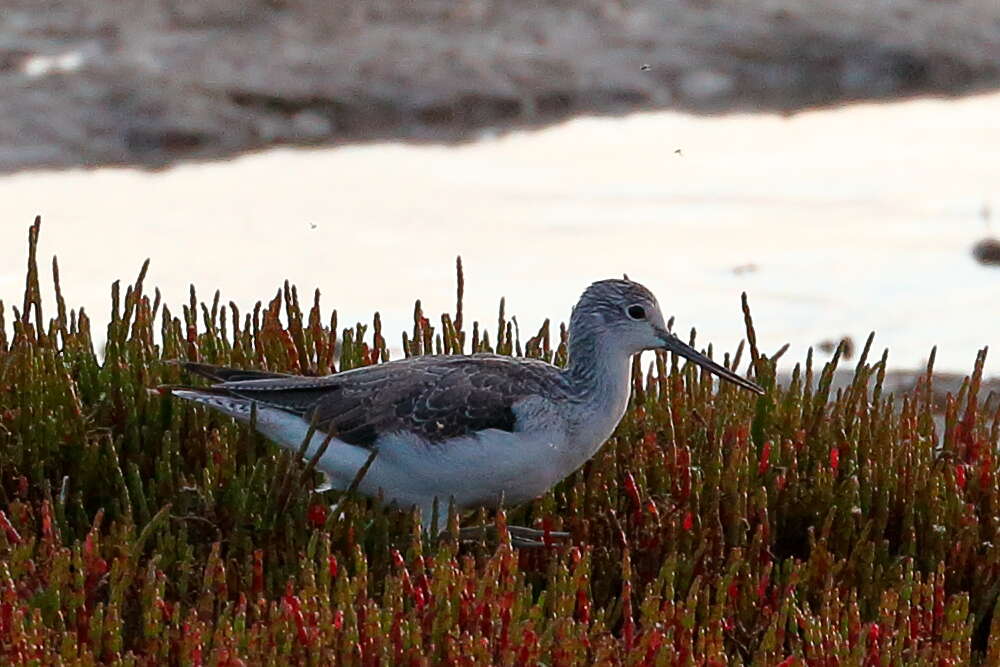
{"x": 435, "y": 397}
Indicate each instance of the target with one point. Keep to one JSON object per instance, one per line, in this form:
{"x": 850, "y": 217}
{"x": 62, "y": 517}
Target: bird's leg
{"x": 520, "y": 536}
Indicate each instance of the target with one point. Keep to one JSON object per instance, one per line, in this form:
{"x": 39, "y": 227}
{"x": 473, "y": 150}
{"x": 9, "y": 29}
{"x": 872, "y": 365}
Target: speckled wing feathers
{"x": 436, "y": 397}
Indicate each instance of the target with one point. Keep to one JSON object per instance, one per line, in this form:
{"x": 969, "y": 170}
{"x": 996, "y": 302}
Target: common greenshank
{"x": 465, "y": 429}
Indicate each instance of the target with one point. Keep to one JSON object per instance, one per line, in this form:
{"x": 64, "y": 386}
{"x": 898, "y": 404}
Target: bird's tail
{"x": 234, "y": 406}
{"x": 227, "y": 374}
{"x": 219, "y": 399}
{"x": 268, "y": 419}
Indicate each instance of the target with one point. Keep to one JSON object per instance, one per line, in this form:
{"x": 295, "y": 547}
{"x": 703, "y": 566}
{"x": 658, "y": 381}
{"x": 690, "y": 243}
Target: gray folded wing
{"x": 436, "y": 397}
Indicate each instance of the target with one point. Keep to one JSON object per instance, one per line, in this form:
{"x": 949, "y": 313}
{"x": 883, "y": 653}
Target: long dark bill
{"x": 672, "y": 343}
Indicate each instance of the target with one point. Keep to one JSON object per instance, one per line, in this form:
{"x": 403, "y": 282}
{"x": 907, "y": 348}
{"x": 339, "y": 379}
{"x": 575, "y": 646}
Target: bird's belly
{"x": 475, "y": 470}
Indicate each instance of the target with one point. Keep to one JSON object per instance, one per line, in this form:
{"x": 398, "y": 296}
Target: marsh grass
{"x": 806, "y": 526}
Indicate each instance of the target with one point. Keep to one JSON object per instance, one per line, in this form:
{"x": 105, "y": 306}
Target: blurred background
{"x": 834, "y": 159}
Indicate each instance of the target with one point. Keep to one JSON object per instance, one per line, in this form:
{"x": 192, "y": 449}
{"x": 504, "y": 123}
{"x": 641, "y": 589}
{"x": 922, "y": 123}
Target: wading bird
{"x": 465, "y": 429}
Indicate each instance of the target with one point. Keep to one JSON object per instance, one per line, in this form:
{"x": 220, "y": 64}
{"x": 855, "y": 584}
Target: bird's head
{"x": 627, "y": 314}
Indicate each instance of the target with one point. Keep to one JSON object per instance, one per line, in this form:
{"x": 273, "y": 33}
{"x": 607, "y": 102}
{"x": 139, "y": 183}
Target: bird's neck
{"x": 599, "y": 373}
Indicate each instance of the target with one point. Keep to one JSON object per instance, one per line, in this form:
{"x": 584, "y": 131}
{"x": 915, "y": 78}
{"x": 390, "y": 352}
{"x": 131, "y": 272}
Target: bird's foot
{"x": 520, "y": 536}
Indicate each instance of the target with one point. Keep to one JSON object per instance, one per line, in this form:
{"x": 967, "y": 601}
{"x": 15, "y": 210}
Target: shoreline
{"x": 150, "y": 85}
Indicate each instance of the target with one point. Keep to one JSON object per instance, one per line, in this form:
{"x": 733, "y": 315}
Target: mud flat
{"x": 149, "y": 83}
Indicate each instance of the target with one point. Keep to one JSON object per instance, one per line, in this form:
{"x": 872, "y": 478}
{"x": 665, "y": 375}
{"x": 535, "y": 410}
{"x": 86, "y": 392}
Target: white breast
{"x": 474, "y": 470}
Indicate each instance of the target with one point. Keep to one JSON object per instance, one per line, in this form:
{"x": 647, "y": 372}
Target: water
{"x": 835, "y": 222}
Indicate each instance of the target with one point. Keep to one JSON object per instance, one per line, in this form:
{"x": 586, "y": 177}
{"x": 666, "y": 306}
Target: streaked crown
{"x": 621, "y": 312}
{"x": 611, "y": 299}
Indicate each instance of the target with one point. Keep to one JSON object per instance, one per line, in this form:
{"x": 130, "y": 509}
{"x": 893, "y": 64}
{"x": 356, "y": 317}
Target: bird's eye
{"x": 636, "y": 312}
